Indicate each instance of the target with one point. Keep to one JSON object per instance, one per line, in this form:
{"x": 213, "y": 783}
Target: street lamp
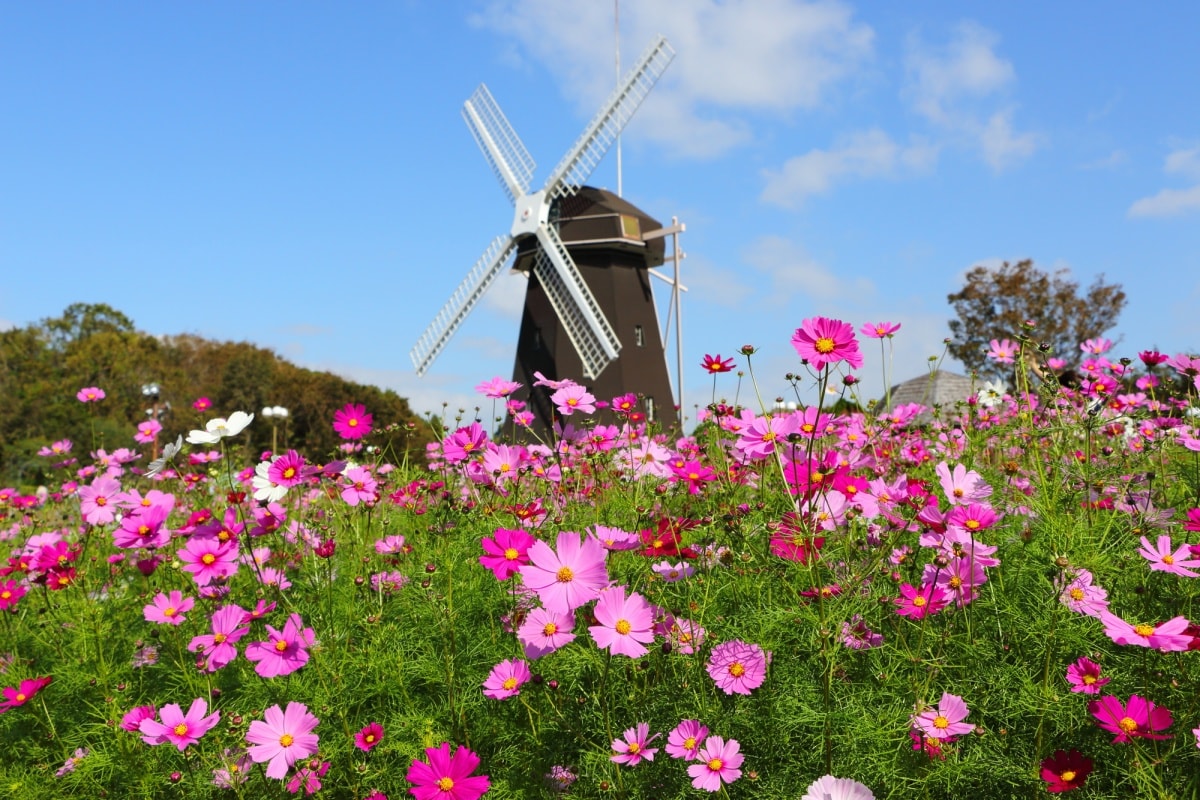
{"x": 151, "y": 391}
{"x": 275, "y": 413}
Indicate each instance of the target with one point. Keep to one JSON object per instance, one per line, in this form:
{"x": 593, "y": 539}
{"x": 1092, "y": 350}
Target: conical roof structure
{"x": 938, "y": 388}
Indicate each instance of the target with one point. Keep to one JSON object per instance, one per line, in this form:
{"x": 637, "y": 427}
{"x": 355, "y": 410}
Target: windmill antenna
{"x": 617, "y": 36}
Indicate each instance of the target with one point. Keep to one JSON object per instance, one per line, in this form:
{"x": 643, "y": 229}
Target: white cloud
{"x": 707, "y": 282}
{"x": 866, "y": 154}
{"x": 506, "y": 296}
{"x": 1114, "y": 159}
{"x": 7, "y": 324}
{"x": 426, "y": 394}
{"x": 792, "y": 271}
{"x": 771, "y": 55}
{"x": 1183, "y": 161}
{"x": 953, "y": 86}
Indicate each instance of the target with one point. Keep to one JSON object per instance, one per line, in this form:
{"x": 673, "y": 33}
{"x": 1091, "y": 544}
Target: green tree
{"x": 995, "y": 303}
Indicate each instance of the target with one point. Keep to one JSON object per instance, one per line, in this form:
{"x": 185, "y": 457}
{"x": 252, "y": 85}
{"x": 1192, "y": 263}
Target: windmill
{"x": 566, "y": 331}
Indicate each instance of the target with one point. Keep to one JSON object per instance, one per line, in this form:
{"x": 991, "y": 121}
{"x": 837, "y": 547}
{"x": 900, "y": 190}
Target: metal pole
{"x": 678, "y": 321}
{"x": 617, "y": 33}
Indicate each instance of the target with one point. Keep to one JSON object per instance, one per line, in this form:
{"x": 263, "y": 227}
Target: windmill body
{"x": 562, "y": 306}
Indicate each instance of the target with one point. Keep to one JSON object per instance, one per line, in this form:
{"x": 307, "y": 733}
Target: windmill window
{"x": 639, "y": 336}
{"x": 631, "y": 227}
{"x": 650, "y": 410}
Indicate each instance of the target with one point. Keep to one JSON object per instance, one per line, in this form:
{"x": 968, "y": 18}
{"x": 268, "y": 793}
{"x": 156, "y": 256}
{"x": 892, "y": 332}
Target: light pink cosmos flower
{"x": 719, "y": 762}
{"x": 830, "y": 788}
{"x": 737, "y": 667}
{"x": 625, "y": 623}
{"x": 1163, "y": 559}
{"x": 569, "y": 577}
{"x": 168, "y": 609}
{"x": 879, "y": 330}
{"x": 90, "y": 394}
{"x": 545, "y": 631}
{"x": 1003, "y": 351}
{"x": 570, "y": 399}
{"x": 177, "y": 728}
{"x": 945, "y": 719}
{"x": 359, "y": 486}
{"x": 506, "y": 679}
{"x": 633, "y": 749}
{"x": 962, "y": 486}
{"x": 97, "y": 502}
{"x": 1083, "y": 597}
{"x": 1167, "y": 637}
{"x": 285, "y": 651}
{"x": 686, "y": 739}
{"x": 672, "y": 573}
{"x": 1084, "y": 676}
{"x": 497, "y": 388}
{"x": 282, "y": 737}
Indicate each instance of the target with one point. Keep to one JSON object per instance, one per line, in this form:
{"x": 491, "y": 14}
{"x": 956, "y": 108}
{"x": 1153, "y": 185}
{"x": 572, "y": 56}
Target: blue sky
{"x": 297, "y": 175}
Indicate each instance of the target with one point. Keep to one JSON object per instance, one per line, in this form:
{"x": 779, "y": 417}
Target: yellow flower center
{"x": 509, "y": 684}
{"x": 737, "y": 670}
{"x": 940, "y": 722}
{"x": 1143, "y": 630}
{"x": 5, "y": 595}
{"x": 689, "y": 743}
{"x": 1076, "y": 594}
{"x": 1168, "y": 560}
{"x": 958, "y": 492}
{"x": 289, "y": 473}
{"x": 824, "y": 345}
{"x": 1067, "y": 776}
{"x": 769, "y": 436}
{"x": 445, "y": 784}
{"x": 550, "y": 629}
{"x": 181, "y": 729}
{"x": 634, "y": 748}
{"x": 919, "y": 601}
{"x": 955, "y": 582}
{"x": 972, "y": 524}
{"x": 286, "y": 740}
{"x": 715, "y": 764}
{"x": 21, "y": 697}
{"x": 623, "y": 627}
{"x": 218, "y": 638}
{"x": 208, "y": 559}
{"x": 1127, "y": 724}
{"x": 564, "y": 575}
{"x": 101, "y": 501}
{"x": 169, "y": 612}
{"x": 280, "y": 646}
{"x": 369, "y": 738}
{"x": 143, "y": 530}
{"x": 1088, "y": 680}
{"x": 511, "y": 554}
{"x": 353, "y": 423}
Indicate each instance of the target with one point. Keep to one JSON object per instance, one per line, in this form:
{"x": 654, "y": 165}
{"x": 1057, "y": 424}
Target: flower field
{"x": 990, "y": 600}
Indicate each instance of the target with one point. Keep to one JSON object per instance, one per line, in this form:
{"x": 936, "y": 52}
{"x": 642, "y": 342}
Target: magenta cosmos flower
{"x": 879, "y": 330}
{"x": 569, "y": 577}
{"x": 178, "y": 728}
{"x": 507, "y": 551}
{"x": 447, "y": 777}
{"x": 285, "y": 651}
{"x": 919, "y": 603}
{"x": 1166, "y": 637}
{"x": 353, "y": 421}
{"x": 282, "y": 737}
{"x": 217, "y": 649}
{"x": 821, "y": 341}
{"x": 90, "y": 394}
{"x": 1163, "y": 558}
{"x": 10, "y": 593}
{"x": 1137, "y": 720}
{"x": 945, "y": 719}
{"x": 506, "y": 679}
{"x": 737, "y": 667}
{"x": 686, "y": 739}
{"x": 625, "y": 623}
{"x": 168, "y": 609}
{"x": 209, "y": 559}
{"x": 370, "y": 736}
{"x": 632, "y": 749}
{"x": 719, "y": 762}
{"x": 1065, "y": 770}
{"x": 21, "y": 694}
{"x": 715, "y": 364}
{"x": 1084, "y": 676}
{"x": 545, "y": 631}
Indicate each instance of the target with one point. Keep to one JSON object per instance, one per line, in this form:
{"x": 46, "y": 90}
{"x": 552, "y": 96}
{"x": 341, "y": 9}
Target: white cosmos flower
{"x": 217, "y": 429}
{"x": 992, "y": 394}
{"x": 264, "y": 489}
{"x": 169, "y": 451}
{"x": 831, "y": 788}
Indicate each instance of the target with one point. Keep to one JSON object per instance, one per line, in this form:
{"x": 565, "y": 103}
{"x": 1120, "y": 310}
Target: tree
{"x": 995, "y": 303}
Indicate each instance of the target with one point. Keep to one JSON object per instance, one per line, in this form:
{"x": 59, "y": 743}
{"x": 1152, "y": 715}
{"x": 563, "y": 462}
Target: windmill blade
{"x": 604, "y": 128}
{"x": 461, "y": 302}
{"x": 507, "y": 156}
{"x": 572, "y": 300}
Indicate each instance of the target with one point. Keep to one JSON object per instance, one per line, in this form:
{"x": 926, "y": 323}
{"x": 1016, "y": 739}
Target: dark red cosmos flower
{"x": 1065, "y": 770}
{"x": 715, "y": 364}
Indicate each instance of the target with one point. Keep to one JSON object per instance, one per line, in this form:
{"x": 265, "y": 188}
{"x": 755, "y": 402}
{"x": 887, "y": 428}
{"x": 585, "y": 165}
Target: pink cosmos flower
{"x": 625, "y": 623}
{"x": 287, "y": 470}
{"x": 360, "y": 486}
{"x": 1137, "y": 720}
{"x": 568, "y": 578}
{"x": 719, "y": 764}
{"x": 945, "y": 719}
{"x": 570, "y": 399}
{"x": 686, "y": 739}
{"x": 202, "y": 404}
{"x": 831, "y": 788}
{"x": 545, "y": 631}
{"x": 370, "y": 736}
{"x": 147, "y": 431}
{"x": 97, "y": 502}
{"x": 1003, "y": 351}
{"x": 919, "y": 603}
{"x": 672, "y": 573}
{"x": 497, "y": 388}
{"x": 282, "y": 737}
{"x": 1082, "y": 597}
{"x": 506, "y": 679}
{"x": 1097, "y": 346}
{"x": 217, "y": 649}
{"x": 209, "y": 559}
{"x": 464, "y": 443}
{"x": 10, "y": 593}
{"x": 143, "y": 528}
{"x": 1084, "y": 676}
{"x": 737, "y": 667}
{"x": 879, "y": 330}
{"x": 962, "y": 486}
{"x": 507, "y": 551}
{"x": 1167, "y": 637}
{"x": 90, "y": 394}
{"x": 353, "y": 421}
{"x": 21, "y": 694}
{"x": 714, "y": 364}
{"x": 821, "y": 341}
{"x": 447, "y": 777}
{"x": 59, "y": 448}
{"x": 632, "y": 750}
{"x": 181, "y": 730}
{"x": 132, "y": 721}
{"x": 285, "y": 651}
{"x": 168, "y": 609}
{"x": 1163, "y": 559}
{"x": 308, "y": 778}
